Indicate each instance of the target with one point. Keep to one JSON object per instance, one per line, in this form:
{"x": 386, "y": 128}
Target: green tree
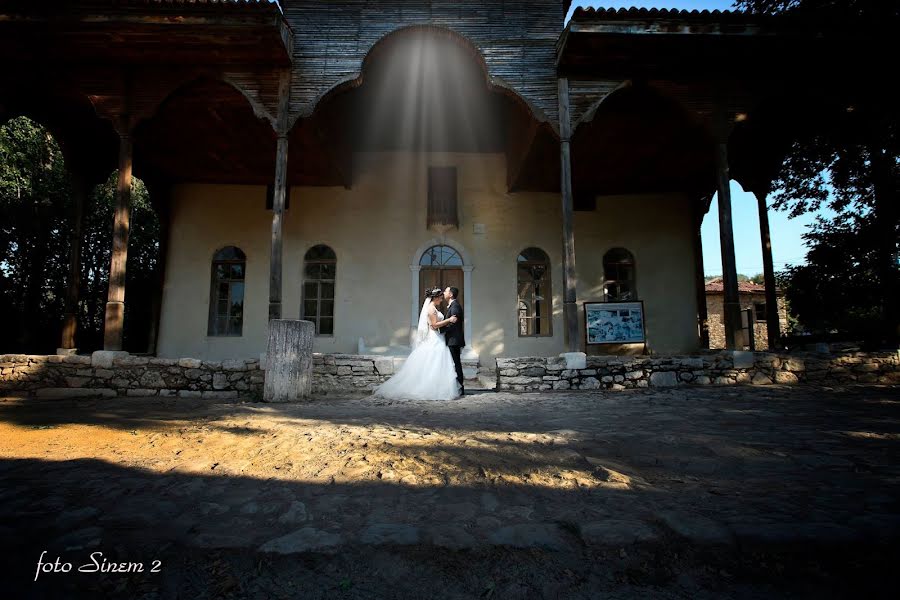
{"x": 849, "y": 162}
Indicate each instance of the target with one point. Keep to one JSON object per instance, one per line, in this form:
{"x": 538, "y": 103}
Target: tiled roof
{"x": 590, "y": 13}
{"x": 227, "y": 4}
{"x": 716, "y": 286}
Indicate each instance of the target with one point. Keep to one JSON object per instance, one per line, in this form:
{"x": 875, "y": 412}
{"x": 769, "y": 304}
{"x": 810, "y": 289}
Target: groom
{"x": 453, "y": 332}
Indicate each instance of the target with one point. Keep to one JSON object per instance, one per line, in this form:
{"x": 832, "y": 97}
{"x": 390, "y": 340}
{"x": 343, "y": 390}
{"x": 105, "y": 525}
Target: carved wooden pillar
{"x": 281, "y": 156}
{"x": 570, "y": 306}
{"x": 115, "y": 303}
{"x": 732, "y": 306}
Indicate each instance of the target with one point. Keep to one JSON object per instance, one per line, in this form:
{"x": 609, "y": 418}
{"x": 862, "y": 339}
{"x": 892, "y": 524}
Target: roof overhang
{"x": 113, "y": 32}
{"x": 608, "y": 43}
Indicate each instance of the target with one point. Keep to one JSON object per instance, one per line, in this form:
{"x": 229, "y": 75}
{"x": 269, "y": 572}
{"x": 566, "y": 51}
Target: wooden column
{"x": 281, "y": 156}
{"x": 699, "y": 278}
{"x": 70, "y": 324}
{"x": 115, "y": 302}
{"x": 732, "y": 306}
{"x": 773, "y": 326}
{"x": 570, "y": 306}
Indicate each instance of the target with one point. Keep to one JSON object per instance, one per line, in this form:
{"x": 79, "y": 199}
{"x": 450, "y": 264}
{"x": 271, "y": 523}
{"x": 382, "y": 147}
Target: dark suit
{"x": 454, "y": 334}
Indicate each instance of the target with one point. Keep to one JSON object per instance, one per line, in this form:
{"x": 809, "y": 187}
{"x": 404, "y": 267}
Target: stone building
{"x": 328, "y": 160}
{"x": 753, "y": 308}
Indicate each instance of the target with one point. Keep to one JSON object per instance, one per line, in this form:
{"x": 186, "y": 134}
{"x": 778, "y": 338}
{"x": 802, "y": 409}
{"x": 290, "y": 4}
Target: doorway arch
{"x": 451, "y": 257}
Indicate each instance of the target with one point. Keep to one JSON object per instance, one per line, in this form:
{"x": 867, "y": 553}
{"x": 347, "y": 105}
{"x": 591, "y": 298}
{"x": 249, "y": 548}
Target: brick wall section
{"x": 719, "y": 368}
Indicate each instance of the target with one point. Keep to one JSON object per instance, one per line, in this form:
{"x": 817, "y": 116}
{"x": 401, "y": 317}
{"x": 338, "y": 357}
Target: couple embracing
{"x": 433, "y": 370}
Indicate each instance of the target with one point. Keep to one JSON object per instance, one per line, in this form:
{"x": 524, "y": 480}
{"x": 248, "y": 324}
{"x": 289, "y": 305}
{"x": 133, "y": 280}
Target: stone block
{"x": 289, "y": 354}
{"x": 590, "y": 383}
{"x": 220, "y": 381}
{"x": 234, "y": 365}
{"x": 785, "y": 377}
{"x": 163, "y": 362}
{"x": 384, "y": 366}
{"x": 761, "y": 379}
{"x": 103, "y": 359}
{"x": 574, "y": 360}
{"x": 664, "y": 379}
{"x": 77, "y": 359}
{"x": 634, "y": 375}
{"x": 152, "y": 379}
{"x": 743, "y": 359}
{"x": 140, "y": 392}
{"x": 190, "y": 363}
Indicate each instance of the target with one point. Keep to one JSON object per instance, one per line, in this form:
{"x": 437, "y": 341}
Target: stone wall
{"x": 715, "y": 368}
{"x": 74, "y": 376}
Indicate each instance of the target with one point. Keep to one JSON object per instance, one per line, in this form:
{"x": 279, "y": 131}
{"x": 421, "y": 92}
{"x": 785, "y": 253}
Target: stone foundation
{"x": 720, "y": 368}
{"x": 75, "y": 376}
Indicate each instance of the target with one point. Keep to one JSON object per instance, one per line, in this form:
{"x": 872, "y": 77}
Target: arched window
{"x": 441, "y": 256}
{"x": 226, "y": 302}
{"x": 320, "y": 264}
{"x": 618, "y": 276}
{"x": 534, "y": 300}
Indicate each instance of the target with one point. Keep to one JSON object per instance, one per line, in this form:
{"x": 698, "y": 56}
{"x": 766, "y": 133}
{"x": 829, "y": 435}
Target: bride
{"x": 428, "y": 373}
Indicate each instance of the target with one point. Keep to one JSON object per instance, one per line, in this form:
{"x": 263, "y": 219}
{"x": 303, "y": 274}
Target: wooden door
{"x": 441, "y": 278}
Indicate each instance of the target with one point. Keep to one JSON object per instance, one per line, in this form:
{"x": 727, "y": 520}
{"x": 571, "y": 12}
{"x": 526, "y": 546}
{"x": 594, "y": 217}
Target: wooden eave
{"x": 137, "y": 32}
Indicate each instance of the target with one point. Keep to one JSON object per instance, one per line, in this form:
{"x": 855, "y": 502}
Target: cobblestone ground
{"x": 746, "y": 492}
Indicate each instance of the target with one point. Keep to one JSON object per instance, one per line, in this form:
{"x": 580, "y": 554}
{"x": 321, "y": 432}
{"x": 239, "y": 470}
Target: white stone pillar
{"x": 468, "y": 351}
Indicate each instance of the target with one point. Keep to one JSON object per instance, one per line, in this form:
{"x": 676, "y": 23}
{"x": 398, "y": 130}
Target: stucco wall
{"x": 657, "y": 232}
{"x": 376, "y": 229}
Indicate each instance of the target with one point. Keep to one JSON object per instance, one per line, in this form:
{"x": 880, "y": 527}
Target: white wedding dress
{"x": 429, "y": 372}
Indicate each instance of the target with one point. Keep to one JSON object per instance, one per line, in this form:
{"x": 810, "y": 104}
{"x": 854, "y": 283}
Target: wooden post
{"x": 70, "y": 325}
{"x": 773, "y": 326}
{"x": 570, "y": 306}
{"x": 731, "y": 302}
{"x": 115, "y": 303}
{"x": 699, "y": 279}
{"x": 281, "y": 156}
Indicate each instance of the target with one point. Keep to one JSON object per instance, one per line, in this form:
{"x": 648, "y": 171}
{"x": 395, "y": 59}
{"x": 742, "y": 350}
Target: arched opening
{"x": 206, "y": 131}
{"x": 426, "y": 89}
{"x": 442, "y": 267}
{"x": 637, "y": 140}
{"x": 39, "y": 190}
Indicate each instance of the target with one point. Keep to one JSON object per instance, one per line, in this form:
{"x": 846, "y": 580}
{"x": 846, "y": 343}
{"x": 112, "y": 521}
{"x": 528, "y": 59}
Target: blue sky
{"x": 787, "y": 245}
